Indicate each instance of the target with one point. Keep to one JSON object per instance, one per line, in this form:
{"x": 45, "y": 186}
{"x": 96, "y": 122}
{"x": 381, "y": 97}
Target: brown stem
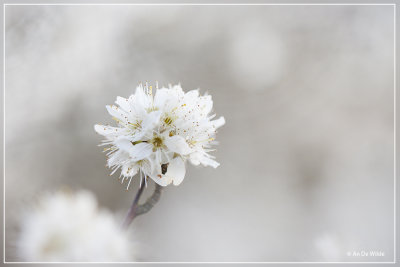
{"x": 136, "y": 210}
{"x": 150, "y": 202}
{"x": 132, "y": 210}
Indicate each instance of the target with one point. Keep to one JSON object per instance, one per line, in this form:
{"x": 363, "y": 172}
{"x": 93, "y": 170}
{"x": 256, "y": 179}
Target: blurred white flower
{"x": 69, "y": 227}
{"x": 156, "y": 135}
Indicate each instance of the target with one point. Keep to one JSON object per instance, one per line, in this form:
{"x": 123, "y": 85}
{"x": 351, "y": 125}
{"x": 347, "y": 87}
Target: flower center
{"x": 157, "y": 142}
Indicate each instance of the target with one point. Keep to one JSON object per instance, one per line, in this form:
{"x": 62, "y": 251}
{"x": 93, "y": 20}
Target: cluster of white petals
{"x": 68, "y": 227}
{"x": 158, "y": 133}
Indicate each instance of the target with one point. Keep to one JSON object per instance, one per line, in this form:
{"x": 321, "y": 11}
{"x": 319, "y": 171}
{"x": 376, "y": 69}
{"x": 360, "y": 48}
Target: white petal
{"x": 149, "y": 123}
{"x": 161, "y": 179}
{"x": 206, "y": 161}
{"x": 218, "y": 122}
{"x": 151, "y": 167}
{"x": 137, "y": 136}
{"x": 177, "y": 89}
{"x": 116, "y": 157}
{"x": 195, "y": 158}
{"x": 108, "y": 130}
{"x": 146, "y": 166}
{"x": 141, "y": 98}
{"x": 176, "y": 170}
{"x": 192, "y": 94}
{"x": 129, "y": 170}
{"x": 140, "y": 151}
{"x": 123, "y": 144}
{"x": 123, "y": 103}
{"x": 158, "y": 158}
{"x": 151, "y": 120}
{"x": 206, "y": 104}
{"x": 161, "y": 97}
{"x": 177, "y": 144}
{"x": 116, "y": 112}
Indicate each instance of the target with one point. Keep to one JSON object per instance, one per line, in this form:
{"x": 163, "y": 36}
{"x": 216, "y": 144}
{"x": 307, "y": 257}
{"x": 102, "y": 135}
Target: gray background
{"x": 307, "y": 152}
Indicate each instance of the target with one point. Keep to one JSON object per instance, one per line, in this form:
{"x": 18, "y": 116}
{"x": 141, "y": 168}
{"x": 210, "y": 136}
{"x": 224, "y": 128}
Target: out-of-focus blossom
{"x": 67, "y": 226}
{"x": 157, "y": 134}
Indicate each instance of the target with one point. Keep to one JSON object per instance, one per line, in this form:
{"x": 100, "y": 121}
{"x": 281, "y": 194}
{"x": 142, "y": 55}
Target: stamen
{"x": 127, "y": 188}
{"x": 136, "y": 125}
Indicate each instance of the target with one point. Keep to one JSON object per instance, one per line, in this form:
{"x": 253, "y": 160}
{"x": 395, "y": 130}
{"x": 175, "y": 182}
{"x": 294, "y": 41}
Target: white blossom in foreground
{"x": 66, "y": 227}
{"x": 157, "y": 134}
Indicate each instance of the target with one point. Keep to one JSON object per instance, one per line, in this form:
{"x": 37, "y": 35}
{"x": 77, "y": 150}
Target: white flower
{"x": 157, "y": 134}
{"x": 69, "y": 227}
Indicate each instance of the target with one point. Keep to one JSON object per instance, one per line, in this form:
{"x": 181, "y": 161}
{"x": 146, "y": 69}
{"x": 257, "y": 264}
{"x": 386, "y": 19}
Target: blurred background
{"x": 306, "y": 153}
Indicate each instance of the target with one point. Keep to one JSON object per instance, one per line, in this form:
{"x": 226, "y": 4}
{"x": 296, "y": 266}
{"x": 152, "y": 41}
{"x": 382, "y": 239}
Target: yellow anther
{"x": 117, "y": 120}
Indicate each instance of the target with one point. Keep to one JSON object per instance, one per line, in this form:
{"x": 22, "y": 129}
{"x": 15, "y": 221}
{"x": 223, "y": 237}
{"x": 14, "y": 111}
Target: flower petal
{"x": 150, "y": 120}
{"x": 160, "y": 97}
{"x": 206, "y": 104}
{"x": 141, "y": 98}
{"x": 177, "y": 144}
{"x": 140, "y": 151}
{"x": 195, "y": 158}
{"x": 218, "y": 122}
{"x": 129, "y": 170}
{"x": 176, "y": 170}
{"x": 161, "y": 179}
{"x": 206, "y": 161}
{"x": 117, "y": 113}
{"x": 147, "y": 126}
{"x": 123, "y": 103}
{"x": 123, "y": 144}
{"x": 108, "y": 130}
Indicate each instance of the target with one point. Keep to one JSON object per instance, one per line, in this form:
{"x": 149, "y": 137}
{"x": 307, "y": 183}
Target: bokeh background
{"x": 306, "y": 154}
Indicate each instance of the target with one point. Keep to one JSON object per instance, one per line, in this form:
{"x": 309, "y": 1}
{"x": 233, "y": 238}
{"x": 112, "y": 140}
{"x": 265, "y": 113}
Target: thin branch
{"x": 132, "y": 210}
{"x": 136, "y": 210}
{"x": 150, "y": 202}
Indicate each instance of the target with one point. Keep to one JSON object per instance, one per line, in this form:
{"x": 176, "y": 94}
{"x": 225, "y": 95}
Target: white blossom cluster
{"x": 157, "y": 134}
